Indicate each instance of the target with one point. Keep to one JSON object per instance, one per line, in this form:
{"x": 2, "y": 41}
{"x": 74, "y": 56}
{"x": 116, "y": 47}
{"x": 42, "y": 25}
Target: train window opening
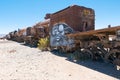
{"x": 85, "y": 26}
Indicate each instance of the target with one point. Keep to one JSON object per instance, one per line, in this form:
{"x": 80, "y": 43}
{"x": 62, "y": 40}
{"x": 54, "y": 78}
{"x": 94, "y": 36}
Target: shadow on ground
{"x": 100, "y": 66}
{"x": 31, "y": 46}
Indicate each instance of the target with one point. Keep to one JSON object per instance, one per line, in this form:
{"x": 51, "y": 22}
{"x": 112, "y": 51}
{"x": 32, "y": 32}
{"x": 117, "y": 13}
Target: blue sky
{"x": 20, "y": 14}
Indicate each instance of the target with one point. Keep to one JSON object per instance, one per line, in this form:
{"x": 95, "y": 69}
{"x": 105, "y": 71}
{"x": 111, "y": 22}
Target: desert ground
{"x": 20, "y": 62}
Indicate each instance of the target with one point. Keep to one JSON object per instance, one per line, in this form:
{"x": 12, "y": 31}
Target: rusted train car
{"x": 18, "y": 36}
{"x": 99, "y": 44}
{"x": 21, "y": 34}
{"x": 39, "y": 30}
{"x": 72, "y": 19}
{"x": 74, "y": 31}
{"x": 11, "y": 35}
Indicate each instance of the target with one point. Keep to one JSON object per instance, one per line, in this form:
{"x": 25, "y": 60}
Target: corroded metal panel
{"x": 77, "y": 17}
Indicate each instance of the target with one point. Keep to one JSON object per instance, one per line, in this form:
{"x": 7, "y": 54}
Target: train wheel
{"x": 64, "y": 50}
{"x": 77, "y": 55}
{"x": 112, "y": 56}
{"x": 87, "y": 54}
{"x": 100, "y": 54}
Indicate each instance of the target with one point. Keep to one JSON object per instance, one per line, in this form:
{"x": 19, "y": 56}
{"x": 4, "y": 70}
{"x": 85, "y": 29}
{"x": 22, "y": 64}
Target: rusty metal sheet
{"x": 77, "y": 17}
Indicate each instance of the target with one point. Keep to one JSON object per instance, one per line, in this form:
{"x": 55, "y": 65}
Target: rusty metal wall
{"x": 42, "y": 29}
{"x": 30, "y": 31}
{"x": 78, "y": 17}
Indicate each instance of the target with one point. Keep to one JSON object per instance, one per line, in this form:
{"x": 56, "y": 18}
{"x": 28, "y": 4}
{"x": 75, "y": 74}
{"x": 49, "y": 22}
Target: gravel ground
{"x": 19, "y": 62}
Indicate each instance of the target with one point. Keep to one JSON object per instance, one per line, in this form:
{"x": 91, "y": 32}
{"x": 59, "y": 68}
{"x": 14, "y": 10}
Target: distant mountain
{"x": 2, "y": 35}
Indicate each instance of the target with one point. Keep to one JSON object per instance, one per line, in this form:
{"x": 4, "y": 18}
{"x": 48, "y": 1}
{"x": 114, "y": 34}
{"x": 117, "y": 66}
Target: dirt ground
{"x": 19, "y": 62}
